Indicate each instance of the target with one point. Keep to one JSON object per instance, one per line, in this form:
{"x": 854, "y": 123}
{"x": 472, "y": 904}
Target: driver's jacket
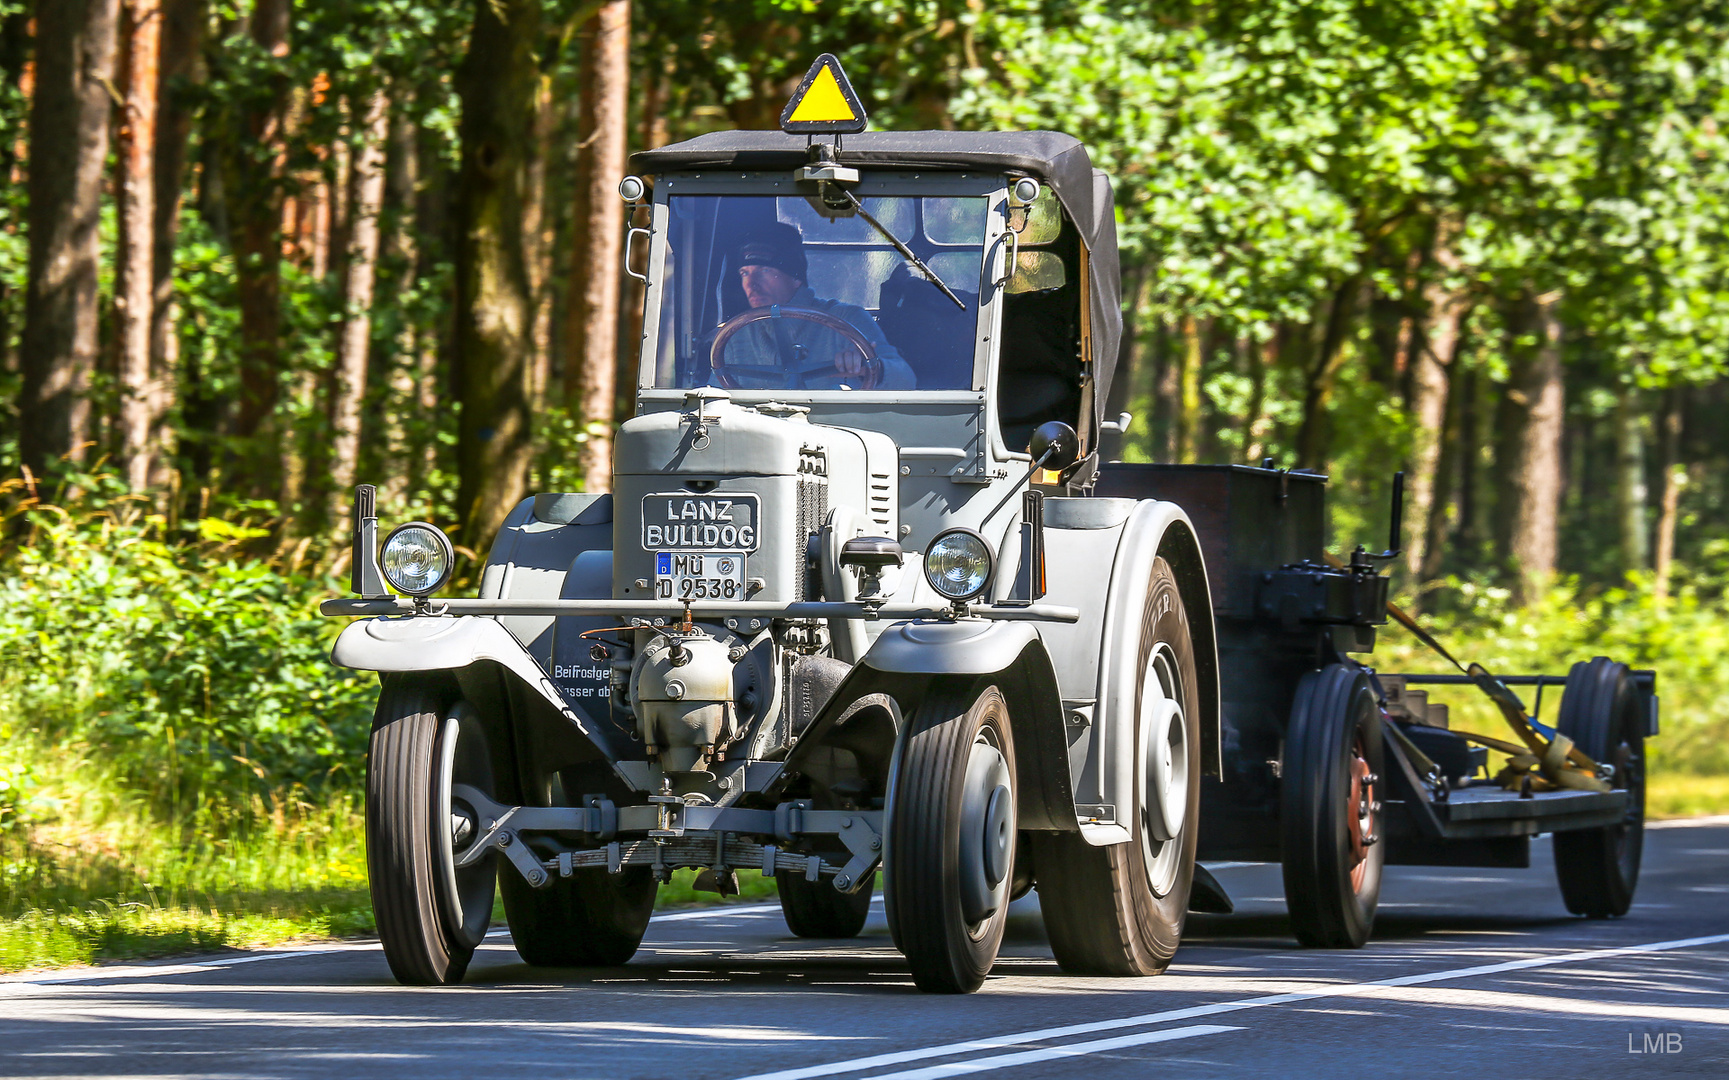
{"x": 760, "y": 344}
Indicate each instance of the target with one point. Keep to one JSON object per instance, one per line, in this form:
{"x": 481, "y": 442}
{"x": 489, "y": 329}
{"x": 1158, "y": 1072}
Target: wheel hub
{"x": 1360, "y": 821}
{"x": 987, "y": 832}
{"x": 1167, "y": 765}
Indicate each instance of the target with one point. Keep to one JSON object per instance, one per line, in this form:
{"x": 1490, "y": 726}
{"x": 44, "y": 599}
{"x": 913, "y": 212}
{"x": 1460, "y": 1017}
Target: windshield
{"x": 779, "y": 292}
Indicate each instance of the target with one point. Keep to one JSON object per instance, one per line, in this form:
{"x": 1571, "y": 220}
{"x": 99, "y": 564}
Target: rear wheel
{"x": 590, "y": 919}
{"x": 951, "y": 836}
{"x": 1119, "y": 910}
{"x": 1330, "y": 809}
{"x": 431, "y": 913}
{"x": 1601, "y": 712}
{"x": 816, "y": 909}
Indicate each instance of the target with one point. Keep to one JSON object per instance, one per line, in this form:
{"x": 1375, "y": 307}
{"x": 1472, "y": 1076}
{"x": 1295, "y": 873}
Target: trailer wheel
{"x": 951, "y": 836}
{"x": 816, "y": 909}
{"x": 1119, "y": 910}
{"x": 1600, "y": 711}
{"x": 430, "y": 914}
{"x": 1330, "y": 809}
{"x": 590, "y": 919}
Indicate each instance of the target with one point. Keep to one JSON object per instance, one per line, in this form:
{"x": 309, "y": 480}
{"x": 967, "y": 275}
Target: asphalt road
{"x": 1471, "y": 973}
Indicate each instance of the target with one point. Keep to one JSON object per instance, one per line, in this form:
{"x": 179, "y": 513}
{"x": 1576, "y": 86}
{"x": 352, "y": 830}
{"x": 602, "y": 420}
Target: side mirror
{"x": 1054, "y": 446}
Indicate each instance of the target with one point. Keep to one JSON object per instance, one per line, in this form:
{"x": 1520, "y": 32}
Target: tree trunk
{"x": 134, "y": 276}
{"x": 254, "y": 197}
{"x": 68, "y": 151}
{"x": 15, "y": 60}
{"x": 494, "y": 316}
{"x": 537, "y": 242}
{"x": 1167, "y": 395}
{"x": 1530, "y": 465}
{"x": 1674, "y": 476}
{"x": 1630, "y": 492}
{"x": 182, "y": 42}
{"x": 1471, "y": 441}
{"x": 435, "y": 345}
{"x": 1188, "y": 418}
{"x": 592, "y": 338}
{"x": 1314, "y": 437}
{"x": 1453, "y": 448}
{"x": 1430, "y": 363}
{"x": 348, "y": 389}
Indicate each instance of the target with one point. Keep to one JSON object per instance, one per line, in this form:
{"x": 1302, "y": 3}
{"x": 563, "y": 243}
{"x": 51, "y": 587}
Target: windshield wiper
{"x": 906, "y": 252}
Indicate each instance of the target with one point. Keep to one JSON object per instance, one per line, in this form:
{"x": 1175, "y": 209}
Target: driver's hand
{"x": 848, "y": 362}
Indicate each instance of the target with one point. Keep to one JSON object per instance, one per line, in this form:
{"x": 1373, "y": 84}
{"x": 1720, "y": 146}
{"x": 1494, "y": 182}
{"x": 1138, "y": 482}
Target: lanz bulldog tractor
{"x": 863, "y": 599}
{"x": 850, "y": 606}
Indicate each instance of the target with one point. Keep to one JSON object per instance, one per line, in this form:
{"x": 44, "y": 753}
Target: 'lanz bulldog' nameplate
{"x": 686, "y": 522}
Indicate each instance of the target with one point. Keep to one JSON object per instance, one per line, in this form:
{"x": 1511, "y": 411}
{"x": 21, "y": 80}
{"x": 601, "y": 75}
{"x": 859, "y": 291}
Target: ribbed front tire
{"x": 951, "y": 836}
{"x": 429, "y": 917}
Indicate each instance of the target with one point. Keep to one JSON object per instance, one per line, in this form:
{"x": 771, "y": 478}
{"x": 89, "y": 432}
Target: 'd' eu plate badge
{"x": 824, "y": 103}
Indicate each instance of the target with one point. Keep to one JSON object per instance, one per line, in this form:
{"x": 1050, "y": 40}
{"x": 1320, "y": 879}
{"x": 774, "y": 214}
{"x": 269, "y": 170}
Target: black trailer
{"x": 1334, "y": 769}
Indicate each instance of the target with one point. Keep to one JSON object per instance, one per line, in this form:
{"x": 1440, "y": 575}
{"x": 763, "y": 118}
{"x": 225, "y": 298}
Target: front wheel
{"x": 951, "y": 836}
{"x": 431, "y": 912}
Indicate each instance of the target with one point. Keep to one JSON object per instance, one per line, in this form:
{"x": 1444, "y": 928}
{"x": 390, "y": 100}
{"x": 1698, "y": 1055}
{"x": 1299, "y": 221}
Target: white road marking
{"x": 1029, "y": 1057}
{"x": 1689, "y": 822}
{"x": 1195, "y": 1012}
{"x": 156, "y": 971}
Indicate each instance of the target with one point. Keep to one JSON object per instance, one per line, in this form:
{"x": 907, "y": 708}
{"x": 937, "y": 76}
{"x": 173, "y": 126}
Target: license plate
{"x": 711, "y": 575}
{"x": 681, "y": 521}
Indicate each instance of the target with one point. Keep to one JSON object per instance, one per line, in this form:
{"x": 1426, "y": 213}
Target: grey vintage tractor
{"x": 851, "y": 605}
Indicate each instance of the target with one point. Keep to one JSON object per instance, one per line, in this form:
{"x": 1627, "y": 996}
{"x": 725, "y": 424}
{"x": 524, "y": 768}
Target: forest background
{"x": 253, "y": 251}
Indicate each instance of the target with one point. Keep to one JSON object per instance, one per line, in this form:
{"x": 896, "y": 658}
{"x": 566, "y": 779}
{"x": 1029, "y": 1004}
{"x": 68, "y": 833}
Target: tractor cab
{"x": 953, "y": 290}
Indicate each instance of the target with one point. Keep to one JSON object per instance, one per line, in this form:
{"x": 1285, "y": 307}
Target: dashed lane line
{"x": 902, "y": 1057}
{"x": 1032, "y": 1057}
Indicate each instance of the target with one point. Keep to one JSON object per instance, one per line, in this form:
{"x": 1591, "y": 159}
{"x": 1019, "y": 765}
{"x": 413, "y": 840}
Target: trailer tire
{"x": 816, "y": 909}
{"x": 950, "y": 831}
{"x": 1331, "y": 856}
{"x": 590, "y": 919}
{"x": 1120, "y": 909}
{"x": 430, "y": 916}
{"x": 1598, "y": 869}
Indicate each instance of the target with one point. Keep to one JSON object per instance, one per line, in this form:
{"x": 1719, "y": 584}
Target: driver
{"x": 771, "y": 268}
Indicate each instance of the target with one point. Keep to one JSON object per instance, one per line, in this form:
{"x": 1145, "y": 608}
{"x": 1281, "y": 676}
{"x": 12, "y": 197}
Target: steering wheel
{"x": 726, "y": 374}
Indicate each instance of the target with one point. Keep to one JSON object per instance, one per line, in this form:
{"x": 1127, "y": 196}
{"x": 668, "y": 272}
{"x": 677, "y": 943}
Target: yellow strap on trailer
{"x": 1556, "y": 761}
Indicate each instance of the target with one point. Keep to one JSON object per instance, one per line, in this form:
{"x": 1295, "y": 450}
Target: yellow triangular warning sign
{"x": 824, "y": 102}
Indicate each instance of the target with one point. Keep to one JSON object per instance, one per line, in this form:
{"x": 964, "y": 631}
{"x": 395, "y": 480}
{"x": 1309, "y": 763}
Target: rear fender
{"x": 905, "y": 659}
{"x": 1154, "y": 530}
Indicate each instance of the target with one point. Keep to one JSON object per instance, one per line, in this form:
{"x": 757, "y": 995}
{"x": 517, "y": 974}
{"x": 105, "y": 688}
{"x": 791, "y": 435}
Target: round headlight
{"x": 417, "y": 558}
{"x": 959, "y": 563}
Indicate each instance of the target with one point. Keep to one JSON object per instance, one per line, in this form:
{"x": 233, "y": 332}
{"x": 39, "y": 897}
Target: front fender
{"x": 907, "y": 656}
{"x": 949, "y": 648}
{"x": 421, "y": 643}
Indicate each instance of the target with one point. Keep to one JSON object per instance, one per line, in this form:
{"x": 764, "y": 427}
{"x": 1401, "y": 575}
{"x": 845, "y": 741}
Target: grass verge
{"x": 131, "y": 892}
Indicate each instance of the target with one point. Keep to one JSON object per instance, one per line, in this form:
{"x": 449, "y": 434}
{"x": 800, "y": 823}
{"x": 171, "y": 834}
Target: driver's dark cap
{"x": 778, "y": 245}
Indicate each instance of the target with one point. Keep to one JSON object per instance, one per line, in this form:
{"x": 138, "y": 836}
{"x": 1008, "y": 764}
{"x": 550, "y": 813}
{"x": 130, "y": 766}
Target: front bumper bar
{"x": 707, "y": 610}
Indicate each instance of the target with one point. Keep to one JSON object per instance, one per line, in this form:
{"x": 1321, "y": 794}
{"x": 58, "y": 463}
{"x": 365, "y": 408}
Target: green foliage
{"x": 1686, "y": 641}
{"x": 198, "y": 677}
